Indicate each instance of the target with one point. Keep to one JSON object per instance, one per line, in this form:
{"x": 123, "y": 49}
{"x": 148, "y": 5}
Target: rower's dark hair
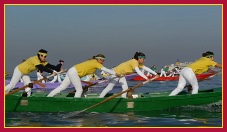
{"x": 204, "y": 54}
{"x": 42, "y": 51}
{"x": 61, "y": 61}
{"x": 98, "y": 55}
{"x": 137, "y": 54}
{"x": 209, "y": 53}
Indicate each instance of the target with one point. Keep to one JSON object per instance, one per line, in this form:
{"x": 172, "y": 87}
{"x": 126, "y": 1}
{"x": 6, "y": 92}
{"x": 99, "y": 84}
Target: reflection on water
{"x": 207, "y": 116}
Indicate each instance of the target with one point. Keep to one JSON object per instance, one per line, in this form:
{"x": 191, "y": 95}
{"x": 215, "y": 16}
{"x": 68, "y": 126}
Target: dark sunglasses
{"x": 43, "y": 56}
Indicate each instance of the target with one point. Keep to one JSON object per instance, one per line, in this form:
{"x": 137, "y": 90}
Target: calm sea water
{"x": 194, "y": 116}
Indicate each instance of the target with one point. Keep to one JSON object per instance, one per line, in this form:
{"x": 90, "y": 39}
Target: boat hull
{"x": 175, "y": 78}
{"x": 144, "y": 102}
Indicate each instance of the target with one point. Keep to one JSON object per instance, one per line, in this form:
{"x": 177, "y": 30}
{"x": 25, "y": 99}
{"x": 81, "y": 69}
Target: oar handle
{"x": 150, "y": 80}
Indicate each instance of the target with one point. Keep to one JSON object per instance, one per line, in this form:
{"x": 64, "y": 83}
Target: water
{"x": 191, "y": 116}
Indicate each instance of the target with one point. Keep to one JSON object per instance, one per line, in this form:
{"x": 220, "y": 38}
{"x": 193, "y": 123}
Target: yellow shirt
{"x": 29, "y": 65}
{"x": 201, "y": 65}
{"x": 127, "y": 67}
{"x": 88, "y": 67}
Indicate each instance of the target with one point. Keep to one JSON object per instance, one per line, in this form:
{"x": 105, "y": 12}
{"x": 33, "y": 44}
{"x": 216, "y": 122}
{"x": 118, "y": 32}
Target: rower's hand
{"x": 157, "y": 76}
{"x": 62, "y": 70}
{"x": 54, "y": 73}
{"x": 211, "y": 71}
{"x": 147, "y": 79}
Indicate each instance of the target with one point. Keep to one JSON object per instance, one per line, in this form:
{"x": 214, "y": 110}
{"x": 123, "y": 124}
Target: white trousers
{"x": 71, "y": 77}
{"x": 39, "y": 76}
{"x": 57, "y": 77}
{"x": 17, "y": 75}
{"x": 163, "y": 73}
{"x": 186, "y": 75}
{"x": 113, "y": 81}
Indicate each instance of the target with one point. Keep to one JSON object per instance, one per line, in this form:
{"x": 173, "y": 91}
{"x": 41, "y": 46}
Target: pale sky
{"x": 76, "y": 33}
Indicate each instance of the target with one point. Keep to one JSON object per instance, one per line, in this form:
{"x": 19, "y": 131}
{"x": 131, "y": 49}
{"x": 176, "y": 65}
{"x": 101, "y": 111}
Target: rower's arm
{"x": 218, "y": 65}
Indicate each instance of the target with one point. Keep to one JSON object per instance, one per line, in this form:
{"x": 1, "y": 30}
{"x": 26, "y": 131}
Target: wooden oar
{"x": 109, "y": 98}
{"x": 89, "y": 83}
{"x": 41, "y": 84}
{"x": 85, "y": 88}
{"x": 25, "y": 86}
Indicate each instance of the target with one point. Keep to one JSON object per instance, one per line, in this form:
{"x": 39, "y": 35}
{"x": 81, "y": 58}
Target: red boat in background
{"x": 175, "y": 78}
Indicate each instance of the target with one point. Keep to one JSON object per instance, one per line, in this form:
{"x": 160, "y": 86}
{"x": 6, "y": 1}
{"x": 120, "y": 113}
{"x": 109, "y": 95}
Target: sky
{"x": 75, "y": 33}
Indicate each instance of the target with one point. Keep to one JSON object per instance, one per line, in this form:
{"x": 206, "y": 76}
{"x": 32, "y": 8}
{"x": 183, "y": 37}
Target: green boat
{"x": 38, "y": 102}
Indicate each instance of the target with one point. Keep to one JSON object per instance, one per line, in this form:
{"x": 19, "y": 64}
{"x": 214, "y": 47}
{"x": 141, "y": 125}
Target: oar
{"x": 25, "y": 86}
{"x": 72, "y": 93}
{"x": 89, "y": 83}
{"x": 109, "y": 98}
{"x": 41, "y": 84}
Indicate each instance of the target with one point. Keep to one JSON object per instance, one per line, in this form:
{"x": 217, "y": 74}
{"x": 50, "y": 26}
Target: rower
{"x": 76, "y": 72}
{"x": 29, "y": 65}
{"x": 58, "y": 76}
{"x": 188, "y": 73}
{"x": 129, "y": 66}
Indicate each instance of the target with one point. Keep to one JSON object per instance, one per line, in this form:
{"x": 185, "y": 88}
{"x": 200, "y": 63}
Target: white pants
{"x": 17, "y": 75}
{"x": 39, "y": 76}
{"x": 113, "y": 81}
{"x": 171, "y": 74}
{"x": 163, "y": 73}
{"x": 57, "y": 77}
{"x": 71, "y": 77}
{"x": 186, "y": 75}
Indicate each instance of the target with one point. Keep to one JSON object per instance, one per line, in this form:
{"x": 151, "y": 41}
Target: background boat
{"x": 175, "y": 78}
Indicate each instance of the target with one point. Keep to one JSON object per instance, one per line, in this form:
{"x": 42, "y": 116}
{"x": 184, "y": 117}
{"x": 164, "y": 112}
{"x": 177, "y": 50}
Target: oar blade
{"x": 72, "y": 114}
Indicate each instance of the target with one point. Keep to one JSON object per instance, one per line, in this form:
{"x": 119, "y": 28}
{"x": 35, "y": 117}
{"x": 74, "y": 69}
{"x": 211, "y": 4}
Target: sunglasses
{"x": 43, "y": 56}
{"x": 210, "y": 56}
